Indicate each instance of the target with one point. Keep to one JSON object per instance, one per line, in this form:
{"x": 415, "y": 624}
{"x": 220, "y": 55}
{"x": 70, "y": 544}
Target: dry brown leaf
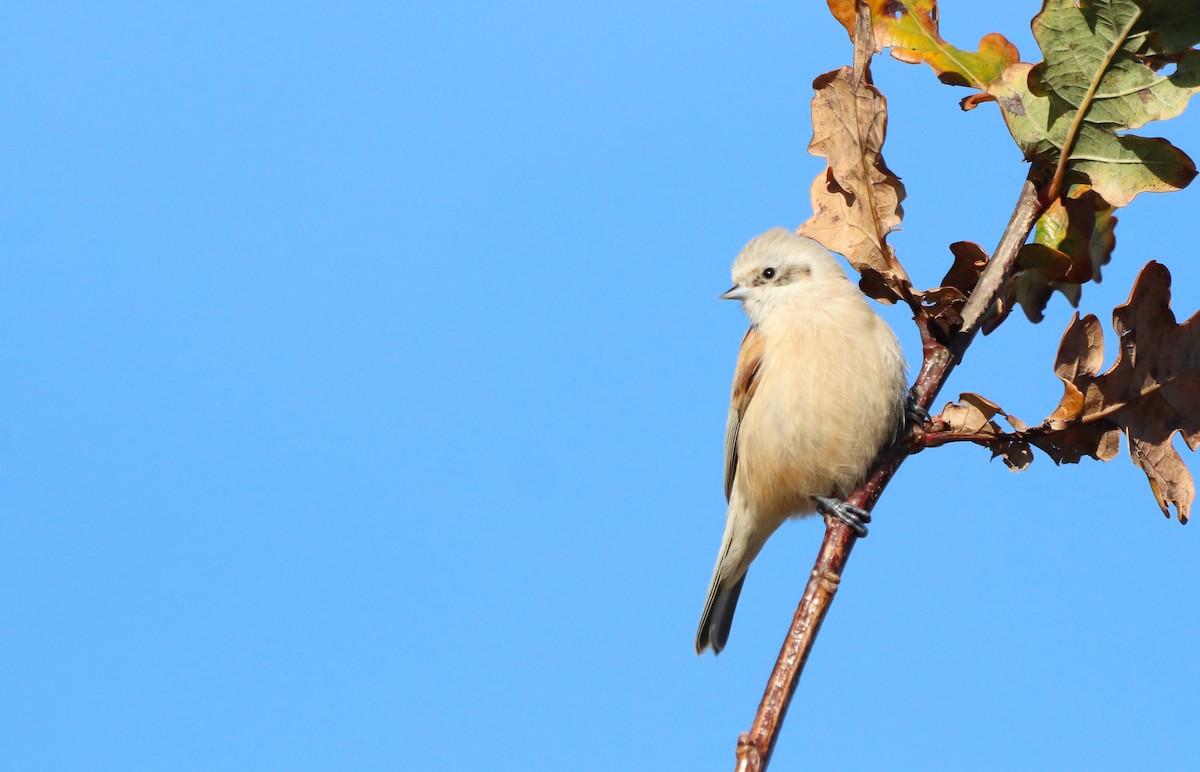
{"x": 944, "y": 304}
{"x": 1069, "y": 433}
{"x": 972, "y": 417}
{"x": 1154, "y": 387}
{"x": 856, "y": 200}
{"x": 1151, "y": 392}
{"x": 1080, "y": 355}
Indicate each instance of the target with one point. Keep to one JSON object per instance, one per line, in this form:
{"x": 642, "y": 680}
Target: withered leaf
{"x": 972, "y": 418}
{"x": 1069, "y": 433}
{"x": 944, "y": 303}
{"x": 1080, "y": 354}
{"x": 856, "y": 200}
{"x": 969, "y": 262}
{"x": 1154, "y": 387}
{"x": 1151, "y": 392}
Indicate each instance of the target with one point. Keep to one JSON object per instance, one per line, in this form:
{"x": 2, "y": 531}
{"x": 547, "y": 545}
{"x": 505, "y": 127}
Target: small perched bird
{"x": 817, "y": 392}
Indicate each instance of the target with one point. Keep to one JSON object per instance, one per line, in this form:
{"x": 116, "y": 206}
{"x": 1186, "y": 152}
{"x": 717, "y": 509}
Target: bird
{"x": 818, "y": 391}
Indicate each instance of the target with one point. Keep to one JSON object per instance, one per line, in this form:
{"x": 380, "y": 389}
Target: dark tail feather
{"x": 718, "y": 616}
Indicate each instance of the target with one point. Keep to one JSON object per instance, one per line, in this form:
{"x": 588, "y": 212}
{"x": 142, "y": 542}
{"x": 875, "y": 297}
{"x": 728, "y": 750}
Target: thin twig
{"x": 936, "y": 439}
{"x": 1028, "y": 209}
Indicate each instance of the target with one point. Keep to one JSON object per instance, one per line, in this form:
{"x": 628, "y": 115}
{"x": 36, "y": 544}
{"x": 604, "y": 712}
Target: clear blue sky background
{"x": 364, "y": 395}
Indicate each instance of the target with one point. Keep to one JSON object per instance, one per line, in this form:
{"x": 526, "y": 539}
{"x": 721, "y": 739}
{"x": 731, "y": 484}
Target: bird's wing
{"x": 745, "y": 383}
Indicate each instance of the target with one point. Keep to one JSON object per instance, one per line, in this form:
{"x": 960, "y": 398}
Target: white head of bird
{"x": 780, "y": 268}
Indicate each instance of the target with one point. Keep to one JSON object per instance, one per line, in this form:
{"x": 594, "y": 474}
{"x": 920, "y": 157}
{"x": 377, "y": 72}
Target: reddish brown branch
{"x": 936, "y": 439}
{"x": 755, "y": 747}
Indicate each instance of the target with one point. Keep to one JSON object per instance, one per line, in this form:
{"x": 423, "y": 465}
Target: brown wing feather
{"x": 745, "y": 383}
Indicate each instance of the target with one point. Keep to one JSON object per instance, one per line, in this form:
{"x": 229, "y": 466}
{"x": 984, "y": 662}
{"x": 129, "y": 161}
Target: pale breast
{"x": 827, "y": 400}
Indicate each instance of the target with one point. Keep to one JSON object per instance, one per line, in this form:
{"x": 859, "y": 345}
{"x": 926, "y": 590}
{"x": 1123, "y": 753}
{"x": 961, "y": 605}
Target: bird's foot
{"x": 916, "y": 424}
{"x": 917, "y": 415}
{"x": 855, "y": 517}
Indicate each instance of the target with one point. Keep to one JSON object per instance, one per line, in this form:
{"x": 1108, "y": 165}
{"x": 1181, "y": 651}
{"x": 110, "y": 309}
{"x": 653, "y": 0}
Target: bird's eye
{"x": 768, "y": 273}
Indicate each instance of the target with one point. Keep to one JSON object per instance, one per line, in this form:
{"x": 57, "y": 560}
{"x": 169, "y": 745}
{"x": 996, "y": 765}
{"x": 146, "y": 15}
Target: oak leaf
{"x": 944, "y": 303}
{"x": 972, "y": 416}
{"x": 1151, "y": 392}
{"x": 1072, "y": 240}
{"x": 856, "y": 200}
{"x": 910, "y": 29}
{"x": 1104, "y": 73}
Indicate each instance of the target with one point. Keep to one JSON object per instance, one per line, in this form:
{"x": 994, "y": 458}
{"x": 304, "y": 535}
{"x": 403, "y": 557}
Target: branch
{"x": 755, "y": 747}
{"x": 937, "y": 439}
{"x": 1029, "y": 208}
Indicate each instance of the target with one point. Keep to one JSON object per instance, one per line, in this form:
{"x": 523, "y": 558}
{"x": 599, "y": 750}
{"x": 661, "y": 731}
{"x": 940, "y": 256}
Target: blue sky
{"x": 365, "y": 391}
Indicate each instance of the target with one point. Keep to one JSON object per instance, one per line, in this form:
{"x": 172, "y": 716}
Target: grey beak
{"x": 736, "y": 292}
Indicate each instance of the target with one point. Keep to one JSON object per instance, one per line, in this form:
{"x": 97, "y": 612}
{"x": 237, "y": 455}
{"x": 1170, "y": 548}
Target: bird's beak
{"x": 736, "y": 292}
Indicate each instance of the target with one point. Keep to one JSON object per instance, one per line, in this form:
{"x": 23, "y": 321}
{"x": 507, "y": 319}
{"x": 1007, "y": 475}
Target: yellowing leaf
{"x": 1072, "y": 239}
{"x": 1120, "y": 167}
{"x": 910, "y": 28}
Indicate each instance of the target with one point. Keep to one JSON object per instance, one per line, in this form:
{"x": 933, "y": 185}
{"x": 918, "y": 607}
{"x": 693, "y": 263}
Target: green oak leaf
{"x": 1104, "y": 73}
{"x": 1166, "y": 26}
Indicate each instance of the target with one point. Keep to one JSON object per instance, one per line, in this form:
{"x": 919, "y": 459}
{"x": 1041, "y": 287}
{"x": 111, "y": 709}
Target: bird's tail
{"x": 738, "y": 548}
{"x": 718, "y": 615}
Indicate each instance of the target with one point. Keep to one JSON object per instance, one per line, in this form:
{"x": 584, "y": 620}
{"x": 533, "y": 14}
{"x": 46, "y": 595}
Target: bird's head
{"x": 780, "y": 268}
